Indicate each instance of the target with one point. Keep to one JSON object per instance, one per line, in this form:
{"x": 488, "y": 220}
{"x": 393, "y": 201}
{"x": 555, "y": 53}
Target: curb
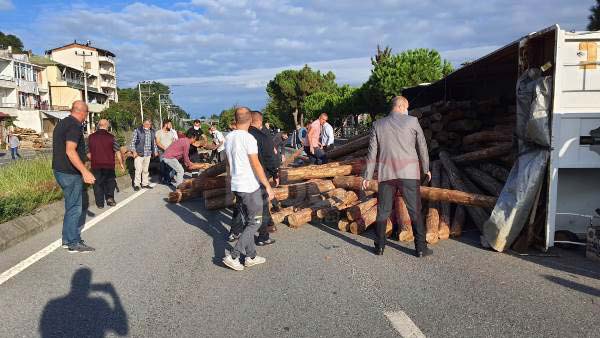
{"x": 44, "y": 217}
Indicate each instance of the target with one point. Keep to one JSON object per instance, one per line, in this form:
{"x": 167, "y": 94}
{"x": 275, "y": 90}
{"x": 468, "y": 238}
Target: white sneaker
{"x": 254, "y": 261}
{"x": 233, "y": 263}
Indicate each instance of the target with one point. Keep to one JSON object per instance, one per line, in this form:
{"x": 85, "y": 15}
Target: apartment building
{"x": 23, "y": 89}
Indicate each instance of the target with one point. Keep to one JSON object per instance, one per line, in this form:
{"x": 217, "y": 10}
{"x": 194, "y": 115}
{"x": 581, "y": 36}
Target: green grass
{"x": 25, "y": 186}
{"x": 28, "y": 184}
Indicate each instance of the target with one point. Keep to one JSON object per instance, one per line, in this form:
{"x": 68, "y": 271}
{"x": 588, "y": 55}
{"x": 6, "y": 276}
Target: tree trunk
{"x": 486, "y": 137}
{"x": 484, "y": 154}
{"x": 458, "y": 221}
{"x": 315, "y": 171}
{"x": 498, "y": 172}
{"x": 403, "y": 220}
{"x": 427, "y": 193}
{"x": 478, "y": 215}
{"x": 484, "y": 181}
{"x": 344, "y": 225}
{"x": 289, "y": 160}
{"x": 357, "y": 211}
{"x": 279, "y": 216}
{"x": 219, "y": 202}
{"x": 335, "y": 199}
{"x": 348, "y": 148}
{"x": 433, "y": 217}
{"x": 206, "y": 194}
{"x": 444, "y": 228}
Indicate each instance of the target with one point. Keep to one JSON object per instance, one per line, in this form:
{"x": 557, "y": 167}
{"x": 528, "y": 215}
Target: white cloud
{"x": 6, "y": 5}
{"x": 236, "y": 46}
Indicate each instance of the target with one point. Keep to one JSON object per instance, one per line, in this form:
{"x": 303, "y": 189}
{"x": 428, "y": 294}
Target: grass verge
{"x": 26, "y": 185}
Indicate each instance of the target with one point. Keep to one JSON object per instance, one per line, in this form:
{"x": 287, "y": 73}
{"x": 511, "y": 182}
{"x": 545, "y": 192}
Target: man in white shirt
{"x": 246, "y": 172}
{"x": 219, "y": 141}
{"x": 327, "y": 137}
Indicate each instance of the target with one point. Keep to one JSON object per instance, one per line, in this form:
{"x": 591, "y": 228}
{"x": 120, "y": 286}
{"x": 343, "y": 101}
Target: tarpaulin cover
{"x": 526, "y": 177}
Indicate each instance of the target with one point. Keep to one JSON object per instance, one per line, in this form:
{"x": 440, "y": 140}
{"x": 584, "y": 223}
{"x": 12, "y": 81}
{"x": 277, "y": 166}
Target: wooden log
{"x": 427, "y": 193}
{"x": 215, "y": 170}
{"x": 478, "y": 215}
{"x": 458, "y": 221}
{"x": 360, "y": 225}
{"x": 444, "y": 227}
{"x": 305, "y": 215}
{"x": 290, "y": 159}
{"x": 496, "y": 171}
{"x": 357, "y": 211}
{"x": 344, "y": 225}
{"x": 315, "y": 171}
{"x": 458, "y": 114}
{"x": 487, "y": 136}
{"x": 280, "y": 215}
{"x": 484, "y": 154}
{"x": 204, "y": 183}
{"x": 432, "y": 222}
{"x": 436, "y": 127}
{"x": 348, "y": 148}
{"x": 299, "y": 191}
{"x": 219, "y": 202}
{"x": 464, "y": 125}
{"x": 485, "y": 181}
{"x": 214, "y": 192}
{"x": 403, "y": 220}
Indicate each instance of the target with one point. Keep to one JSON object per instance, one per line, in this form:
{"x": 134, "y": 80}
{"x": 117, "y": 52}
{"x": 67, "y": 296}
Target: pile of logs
{"x": 30, "y": 139}
{"x": 471, "y": 152}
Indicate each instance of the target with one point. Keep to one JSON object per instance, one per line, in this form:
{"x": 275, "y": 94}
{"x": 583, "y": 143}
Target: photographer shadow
{"x": 79, "y": 314}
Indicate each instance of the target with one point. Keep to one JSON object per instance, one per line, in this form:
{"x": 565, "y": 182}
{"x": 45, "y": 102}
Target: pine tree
{"x": 594, "y": 24}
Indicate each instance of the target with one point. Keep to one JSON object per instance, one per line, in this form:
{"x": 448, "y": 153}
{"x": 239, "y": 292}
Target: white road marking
{"x": 24, "y": 264}
{"x": 404, "y": 325}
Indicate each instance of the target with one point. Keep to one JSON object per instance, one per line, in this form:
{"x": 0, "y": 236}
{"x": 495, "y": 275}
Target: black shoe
{"x": 136, "y": 188}
{"x": 266, "y": 242}
{"x": 378, "y": 251}
{"x": 80, "y": 247}
{"x": 423, "y": 253}
{"x": 233, "y": 237}
{"x": 111, "y": 202}
{"x": 100, "y": 206}
{"x": 146, "y": 187}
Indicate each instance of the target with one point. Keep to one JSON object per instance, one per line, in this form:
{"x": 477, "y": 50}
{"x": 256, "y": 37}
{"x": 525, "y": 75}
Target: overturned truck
{"x": 536, "y": 104}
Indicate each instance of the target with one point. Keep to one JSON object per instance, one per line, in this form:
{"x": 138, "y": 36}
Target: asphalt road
{"x": 157, "y": 272}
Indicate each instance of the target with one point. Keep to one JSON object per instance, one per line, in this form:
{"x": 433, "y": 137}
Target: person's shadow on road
{"x": 78, "y": 314}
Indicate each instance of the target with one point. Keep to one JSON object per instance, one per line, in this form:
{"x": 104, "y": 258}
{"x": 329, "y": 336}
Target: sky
{"x": 218, "y": 53}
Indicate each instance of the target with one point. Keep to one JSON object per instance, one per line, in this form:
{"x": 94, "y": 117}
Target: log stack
{"x": 471, "y": 152}
{"x": 29, "y": 138}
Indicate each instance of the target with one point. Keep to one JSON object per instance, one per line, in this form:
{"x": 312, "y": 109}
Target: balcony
{"x": 107, "y": 72}
{"x": 7, "y": 82}
{"x": 8, "y": 105}
{"x": 108, "y": 84}
{"x": 25, "y": 86}
{"x": 107, "y": 59}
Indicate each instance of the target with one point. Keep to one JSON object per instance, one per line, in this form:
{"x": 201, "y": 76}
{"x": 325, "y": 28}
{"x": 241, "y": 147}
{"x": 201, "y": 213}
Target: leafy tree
{"x": 290, "y": 88}
{"x": 594, "y": 24}
{"x": 11, "y": 40}
{"x": 125, "y": 114}
{"x": 392, "y": 73}
{"x": 226, "y": 118}
{"x": 337, "y": 104}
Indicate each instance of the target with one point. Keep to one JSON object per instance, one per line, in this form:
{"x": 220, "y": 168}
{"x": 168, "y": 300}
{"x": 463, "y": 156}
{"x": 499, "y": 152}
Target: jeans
{"x": 263, "y": 234}
{"x": 411, "y": 193}
{"x": 249, "y": 207}
{"x": 72, "y": 187}
{"x": 318, "y": 157}
{"x": 166, "y": 172}
{"x": 104, "y": 187}
{"x": 14, "y": 152}
{"x": 177, "y": 167}
{"x": 141, "y": 163}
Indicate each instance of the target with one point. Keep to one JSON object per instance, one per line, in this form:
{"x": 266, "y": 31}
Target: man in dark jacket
{"x": 143, "y": 146}
{"x": 102, "y": 149}
{"x": 195, "y": 130}
{"x": 270, "y": 163}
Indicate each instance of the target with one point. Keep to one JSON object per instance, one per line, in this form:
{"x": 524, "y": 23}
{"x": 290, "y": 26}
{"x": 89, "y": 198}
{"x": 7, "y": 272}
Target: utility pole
{"x": 85, "y": 88}
{"x": 141, "y": 107}
{"x": 160, "y": 108}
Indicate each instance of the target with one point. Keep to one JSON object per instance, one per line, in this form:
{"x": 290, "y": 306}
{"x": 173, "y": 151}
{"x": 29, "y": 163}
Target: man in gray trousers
{"x": 246, "y": 172}
{"x": 396, "y": 145}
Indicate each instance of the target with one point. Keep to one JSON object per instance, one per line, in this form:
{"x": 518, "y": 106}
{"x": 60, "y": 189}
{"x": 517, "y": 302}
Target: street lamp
{"x": 85, "y": 88}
